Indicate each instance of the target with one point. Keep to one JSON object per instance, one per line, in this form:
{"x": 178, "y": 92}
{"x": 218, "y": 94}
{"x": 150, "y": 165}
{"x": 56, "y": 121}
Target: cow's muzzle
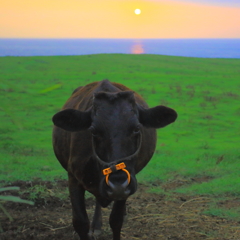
{"x": 117, "y": 191}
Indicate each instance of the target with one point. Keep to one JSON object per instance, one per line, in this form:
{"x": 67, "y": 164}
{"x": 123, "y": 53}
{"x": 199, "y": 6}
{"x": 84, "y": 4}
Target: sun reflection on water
{"x": 137, "y": 48}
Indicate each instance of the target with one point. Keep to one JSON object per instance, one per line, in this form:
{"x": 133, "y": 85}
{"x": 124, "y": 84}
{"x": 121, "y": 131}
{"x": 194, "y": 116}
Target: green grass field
{"x": 203, "y": 142}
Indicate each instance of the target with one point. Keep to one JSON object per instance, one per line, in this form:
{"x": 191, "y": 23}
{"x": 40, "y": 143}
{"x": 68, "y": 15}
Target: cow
{"x": 103, "y": 136}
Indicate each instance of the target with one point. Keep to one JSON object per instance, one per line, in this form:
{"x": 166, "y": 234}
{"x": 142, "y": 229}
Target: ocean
{"x": 203, "y": 48}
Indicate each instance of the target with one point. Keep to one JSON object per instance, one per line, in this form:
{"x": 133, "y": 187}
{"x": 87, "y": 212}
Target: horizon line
{"x": 87, "y": 38}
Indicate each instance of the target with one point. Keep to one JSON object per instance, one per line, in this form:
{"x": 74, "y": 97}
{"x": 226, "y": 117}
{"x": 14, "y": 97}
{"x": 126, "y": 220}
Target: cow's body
{"x": 108, "y": 124}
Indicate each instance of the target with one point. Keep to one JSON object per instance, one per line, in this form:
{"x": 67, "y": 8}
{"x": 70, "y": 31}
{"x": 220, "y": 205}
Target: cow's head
{"x": 116, "y": 123}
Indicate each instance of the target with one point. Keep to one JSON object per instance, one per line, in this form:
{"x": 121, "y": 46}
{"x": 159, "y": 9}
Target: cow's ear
{"x": 156, "y": 117}
{"x": 72, "y": 120}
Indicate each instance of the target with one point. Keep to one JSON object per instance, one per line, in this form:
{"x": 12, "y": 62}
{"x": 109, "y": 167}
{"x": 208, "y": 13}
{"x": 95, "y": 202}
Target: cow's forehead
{"x": 114, "y": 102}
{"x": 117, "y": 114}
{"x": 116, "y": 111}
{"x": 114, "y": 96}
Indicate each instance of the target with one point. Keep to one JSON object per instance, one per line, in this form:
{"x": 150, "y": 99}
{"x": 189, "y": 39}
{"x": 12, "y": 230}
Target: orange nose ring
{"x": 120, "y": 166}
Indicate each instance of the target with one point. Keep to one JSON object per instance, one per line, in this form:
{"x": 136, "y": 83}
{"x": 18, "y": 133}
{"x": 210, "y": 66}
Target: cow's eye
{"x": 95, "y": 135}
{"x": 136, "y": 130}
{"x": 94, "y": 132}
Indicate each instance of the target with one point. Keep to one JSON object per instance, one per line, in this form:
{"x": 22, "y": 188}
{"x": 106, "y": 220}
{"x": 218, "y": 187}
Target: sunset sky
{"x": 116, "y": 19}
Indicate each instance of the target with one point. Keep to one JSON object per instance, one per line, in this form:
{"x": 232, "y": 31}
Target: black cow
{"x": 103, "y": 137}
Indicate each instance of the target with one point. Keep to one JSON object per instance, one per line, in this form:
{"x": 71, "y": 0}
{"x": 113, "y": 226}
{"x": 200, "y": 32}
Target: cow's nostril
{"x": 111, "y": 185}
{"x": 125, "y": 184}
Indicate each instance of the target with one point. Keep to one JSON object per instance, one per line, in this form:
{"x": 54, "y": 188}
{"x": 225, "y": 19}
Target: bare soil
{"x": 150, "y": 216}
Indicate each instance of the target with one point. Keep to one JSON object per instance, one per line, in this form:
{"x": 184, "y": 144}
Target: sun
{"x": 137, "y": 11}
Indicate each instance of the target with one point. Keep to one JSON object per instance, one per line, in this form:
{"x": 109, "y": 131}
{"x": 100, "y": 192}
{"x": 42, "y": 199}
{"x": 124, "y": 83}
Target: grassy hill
{"x": 203, "y": 142}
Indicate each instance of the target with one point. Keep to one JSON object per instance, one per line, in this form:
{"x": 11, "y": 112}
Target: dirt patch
{"x": 150, "y": 216}
{"x": 171, "y": 185}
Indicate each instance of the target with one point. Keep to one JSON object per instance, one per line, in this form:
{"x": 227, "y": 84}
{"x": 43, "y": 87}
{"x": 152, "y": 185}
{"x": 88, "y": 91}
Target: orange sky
{"x": 116, "y": 19}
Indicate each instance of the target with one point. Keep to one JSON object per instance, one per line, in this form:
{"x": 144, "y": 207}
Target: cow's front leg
{"x": 116, "y": 218}
{"x": 81, "y": 222}
{"x": 97, "y": 220}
